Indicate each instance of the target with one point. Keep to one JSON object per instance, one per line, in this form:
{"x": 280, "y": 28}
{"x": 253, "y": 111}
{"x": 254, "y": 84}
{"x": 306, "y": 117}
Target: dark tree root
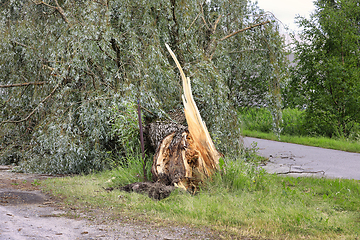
{"x": 155, "y": 190}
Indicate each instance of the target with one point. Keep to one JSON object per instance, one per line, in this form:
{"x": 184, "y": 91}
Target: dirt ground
{"x": 27, "y": 213}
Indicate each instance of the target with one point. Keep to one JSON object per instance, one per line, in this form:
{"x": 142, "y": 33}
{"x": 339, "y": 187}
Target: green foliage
{"x": 239, "y": 176}
{"x": 35, "y": 182}
{"x": 323, "y": 142}
{"x": 74, "y": 142}
{"x": 130, "y": 172}
{"x": 82, "y": 59}
{"x": 260, "y": 119}
{"x": 125, "y": 127}
{"x": 294, "y": 122}
{"x": 326, "y": 78}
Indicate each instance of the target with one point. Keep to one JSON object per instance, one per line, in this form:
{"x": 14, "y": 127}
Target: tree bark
{"x": 185, "y": 156}
{"x": 178, "y": 163}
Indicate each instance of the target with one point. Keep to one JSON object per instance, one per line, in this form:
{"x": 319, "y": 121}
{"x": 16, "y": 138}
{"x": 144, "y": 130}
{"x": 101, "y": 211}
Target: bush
{"x": 125, "y": 127}
{"x": 293, "y": 122}
{"x": 260, "y": 119}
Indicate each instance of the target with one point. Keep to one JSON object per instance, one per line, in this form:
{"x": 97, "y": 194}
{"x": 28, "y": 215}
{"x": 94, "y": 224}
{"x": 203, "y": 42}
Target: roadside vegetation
{"x": 73, "y": 71}
{"x": 320, "y": 98}
{"x": 257, "y": 122}
{"x": 241, "y": 201}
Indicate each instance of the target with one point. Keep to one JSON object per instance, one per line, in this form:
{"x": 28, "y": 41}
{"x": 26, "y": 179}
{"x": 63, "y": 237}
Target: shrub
{"x": 260, "y": 119}
{"x": 293, "y": 122}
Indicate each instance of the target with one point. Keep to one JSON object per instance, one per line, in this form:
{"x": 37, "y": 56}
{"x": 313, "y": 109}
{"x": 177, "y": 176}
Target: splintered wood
{"x": 186, "y": 157}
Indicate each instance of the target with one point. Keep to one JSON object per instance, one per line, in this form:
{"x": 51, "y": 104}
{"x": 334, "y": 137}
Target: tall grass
{"x": 260, "y": 119}
{"x": 239, "y": 201}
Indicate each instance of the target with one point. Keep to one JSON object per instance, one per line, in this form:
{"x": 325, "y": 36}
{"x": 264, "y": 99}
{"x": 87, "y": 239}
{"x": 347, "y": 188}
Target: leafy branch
{"x": 34, "y": 110}
{"x": 57, "y": 8}
{"x": 244, "y": 29}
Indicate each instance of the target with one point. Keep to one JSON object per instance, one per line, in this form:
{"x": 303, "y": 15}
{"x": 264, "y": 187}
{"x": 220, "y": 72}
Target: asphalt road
{"x": 300, "y": 160}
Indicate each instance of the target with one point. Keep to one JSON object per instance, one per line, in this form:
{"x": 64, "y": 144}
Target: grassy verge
{"x": 337, "y": 144}
{"x": 243, "y": 201}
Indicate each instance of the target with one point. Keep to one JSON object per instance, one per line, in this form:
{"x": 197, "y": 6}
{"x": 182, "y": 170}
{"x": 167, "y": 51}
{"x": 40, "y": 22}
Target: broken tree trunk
{"x": 184, "y": 156}
{"x": 187, "y": 156}
{"x": 178, "y": 162}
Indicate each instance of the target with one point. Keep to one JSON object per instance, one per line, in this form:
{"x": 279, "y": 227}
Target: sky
{"x": 286, "y": 10}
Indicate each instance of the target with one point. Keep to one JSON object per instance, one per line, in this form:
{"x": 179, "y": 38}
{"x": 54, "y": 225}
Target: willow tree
{"x": 70, "y": 69}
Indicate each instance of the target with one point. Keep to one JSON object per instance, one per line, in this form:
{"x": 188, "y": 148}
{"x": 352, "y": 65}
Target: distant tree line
{"x": 326, "y": 78}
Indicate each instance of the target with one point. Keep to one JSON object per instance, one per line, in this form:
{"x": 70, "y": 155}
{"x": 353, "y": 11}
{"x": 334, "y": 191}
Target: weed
{"x": 35, "y": 182}
{"x": 250, "y": 155}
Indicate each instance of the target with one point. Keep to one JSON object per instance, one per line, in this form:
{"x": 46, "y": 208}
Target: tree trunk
{"x": 178, "y": 162}
{"x": 184, "y": 156}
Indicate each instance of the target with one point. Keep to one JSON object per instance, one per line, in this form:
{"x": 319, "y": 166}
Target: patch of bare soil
{"x": 27, "y": 213}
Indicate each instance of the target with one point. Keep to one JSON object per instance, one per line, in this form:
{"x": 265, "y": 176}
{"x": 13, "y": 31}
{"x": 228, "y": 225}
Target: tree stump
{"x": 184, "y": 156}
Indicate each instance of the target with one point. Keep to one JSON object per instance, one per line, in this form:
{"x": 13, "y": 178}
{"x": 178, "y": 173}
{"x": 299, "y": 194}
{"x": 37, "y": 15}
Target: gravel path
{"x": 300, "y": 160}
{"x": 27, "y": 213}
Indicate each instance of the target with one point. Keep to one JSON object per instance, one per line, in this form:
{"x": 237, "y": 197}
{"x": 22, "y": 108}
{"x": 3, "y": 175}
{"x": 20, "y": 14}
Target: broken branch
{"x": 22, "y": 84}
{"x": 193, "y": 21}
{"x": 57, "y": 8}
{"x": 216, "y": 23}
{"x": 244, "y": 29}
{"x": 289, "y": 172}
{"x": 61, "y": 11}
{"x": 202, "y": 17}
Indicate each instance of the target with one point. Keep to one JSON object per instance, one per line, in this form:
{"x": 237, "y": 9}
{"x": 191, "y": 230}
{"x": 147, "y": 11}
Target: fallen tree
{"x": 65, "y": 82}
{"x": 184, "y": 156}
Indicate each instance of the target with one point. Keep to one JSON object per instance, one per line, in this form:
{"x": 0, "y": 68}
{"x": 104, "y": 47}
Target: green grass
{"x": 337, "y": 144}
{"x": 242, "y": 201}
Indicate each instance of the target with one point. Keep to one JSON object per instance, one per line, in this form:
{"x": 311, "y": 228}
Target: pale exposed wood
{"x": 197, "y": 126}
{"x": 186, "y": 156}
